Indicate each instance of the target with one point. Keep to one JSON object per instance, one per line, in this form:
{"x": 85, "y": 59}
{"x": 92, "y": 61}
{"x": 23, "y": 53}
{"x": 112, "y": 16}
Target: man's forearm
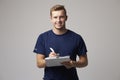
{"x": 41, "y": 63}
{"x": 79, "y": 64}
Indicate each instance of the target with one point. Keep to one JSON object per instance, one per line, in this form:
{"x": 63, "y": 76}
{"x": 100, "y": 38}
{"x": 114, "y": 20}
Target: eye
{"x": 55, "y": 17}
{"x": 62, "y": 17}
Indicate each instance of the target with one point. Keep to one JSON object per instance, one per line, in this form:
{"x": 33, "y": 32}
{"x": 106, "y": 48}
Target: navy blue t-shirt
{"x": 68, "y": 44}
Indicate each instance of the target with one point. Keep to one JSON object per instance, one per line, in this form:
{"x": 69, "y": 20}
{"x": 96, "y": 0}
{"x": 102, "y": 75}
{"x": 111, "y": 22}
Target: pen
{"x": 54, "y": 52}
{"x": 52, "y": 49}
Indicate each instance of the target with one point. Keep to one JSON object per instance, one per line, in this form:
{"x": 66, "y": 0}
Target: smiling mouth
{"x": 59, "y": 25}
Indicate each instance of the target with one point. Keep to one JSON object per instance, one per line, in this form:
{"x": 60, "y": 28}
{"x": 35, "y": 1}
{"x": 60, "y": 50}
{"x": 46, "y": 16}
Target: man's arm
{"x": 40, "y": 60}
{"x": 82, "y": 62}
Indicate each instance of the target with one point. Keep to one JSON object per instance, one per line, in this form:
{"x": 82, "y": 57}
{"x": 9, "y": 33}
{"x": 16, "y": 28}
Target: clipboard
{"x": 56, "y": 61}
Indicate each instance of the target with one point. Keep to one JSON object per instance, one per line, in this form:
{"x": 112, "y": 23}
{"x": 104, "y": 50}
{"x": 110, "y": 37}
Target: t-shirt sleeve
{"x": 82, "y": 50}
{"x": 39, "y": 47}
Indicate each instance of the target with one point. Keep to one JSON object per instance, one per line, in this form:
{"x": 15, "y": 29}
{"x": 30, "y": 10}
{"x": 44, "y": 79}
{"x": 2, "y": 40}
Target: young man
{"x": 63, "y": 41}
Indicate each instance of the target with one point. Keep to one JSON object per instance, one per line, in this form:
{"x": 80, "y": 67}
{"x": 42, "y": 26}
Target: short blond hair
{"x": 57, "y": 8}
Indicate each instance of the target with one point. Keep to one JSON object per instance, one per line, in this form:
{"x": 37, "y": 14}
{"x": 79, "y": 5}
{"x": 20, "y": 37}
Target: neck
{"x": 59, "y": 31}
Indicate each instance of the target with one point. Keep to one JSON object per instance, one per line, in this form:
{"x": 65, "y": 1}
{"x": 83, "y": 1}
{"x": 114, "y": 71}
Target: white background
{"x": 21, "y": 21}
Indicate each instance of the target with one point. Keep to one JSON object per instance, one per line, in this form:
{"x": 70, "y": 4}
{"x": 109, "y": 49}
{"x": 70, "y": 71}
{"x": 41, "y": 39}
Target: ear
{"x": 50, "y": 18}
{"x": 66, "y": 17}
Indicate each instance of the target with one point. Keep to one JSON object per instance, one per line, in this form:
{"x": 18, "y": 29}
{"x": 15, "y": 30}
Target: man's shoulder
{"x": 45, "y": 33}
{"x": 74, "y": 33}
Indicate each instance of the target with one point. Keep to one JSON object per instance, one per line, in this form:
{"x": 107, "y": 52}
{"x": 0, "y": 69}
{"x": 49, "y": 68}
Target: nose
{"x": 58, "y": 19}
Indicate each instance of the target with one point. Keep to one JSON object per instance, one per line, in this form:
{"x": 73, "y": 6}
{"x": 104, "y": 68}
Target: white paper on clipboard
{"x": 56, "y": 61}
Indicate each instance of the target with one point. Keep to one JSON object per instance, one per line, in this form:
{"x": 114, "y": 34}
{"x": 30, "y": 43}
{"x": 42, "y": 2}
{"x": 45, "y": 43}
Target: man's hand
{"x": 82, "y": 62}
{"x": 68, "y": 64}
{"x": 53, "y": 54}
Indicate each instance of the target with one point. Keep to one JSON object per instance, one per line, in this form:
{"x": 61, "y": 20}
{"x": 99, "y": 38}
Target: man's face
{"x": 58, "y": 19}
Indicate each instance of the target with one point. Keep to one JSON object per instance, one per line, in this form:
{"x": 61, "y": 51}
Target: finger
{"x": 52, "y": 54}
